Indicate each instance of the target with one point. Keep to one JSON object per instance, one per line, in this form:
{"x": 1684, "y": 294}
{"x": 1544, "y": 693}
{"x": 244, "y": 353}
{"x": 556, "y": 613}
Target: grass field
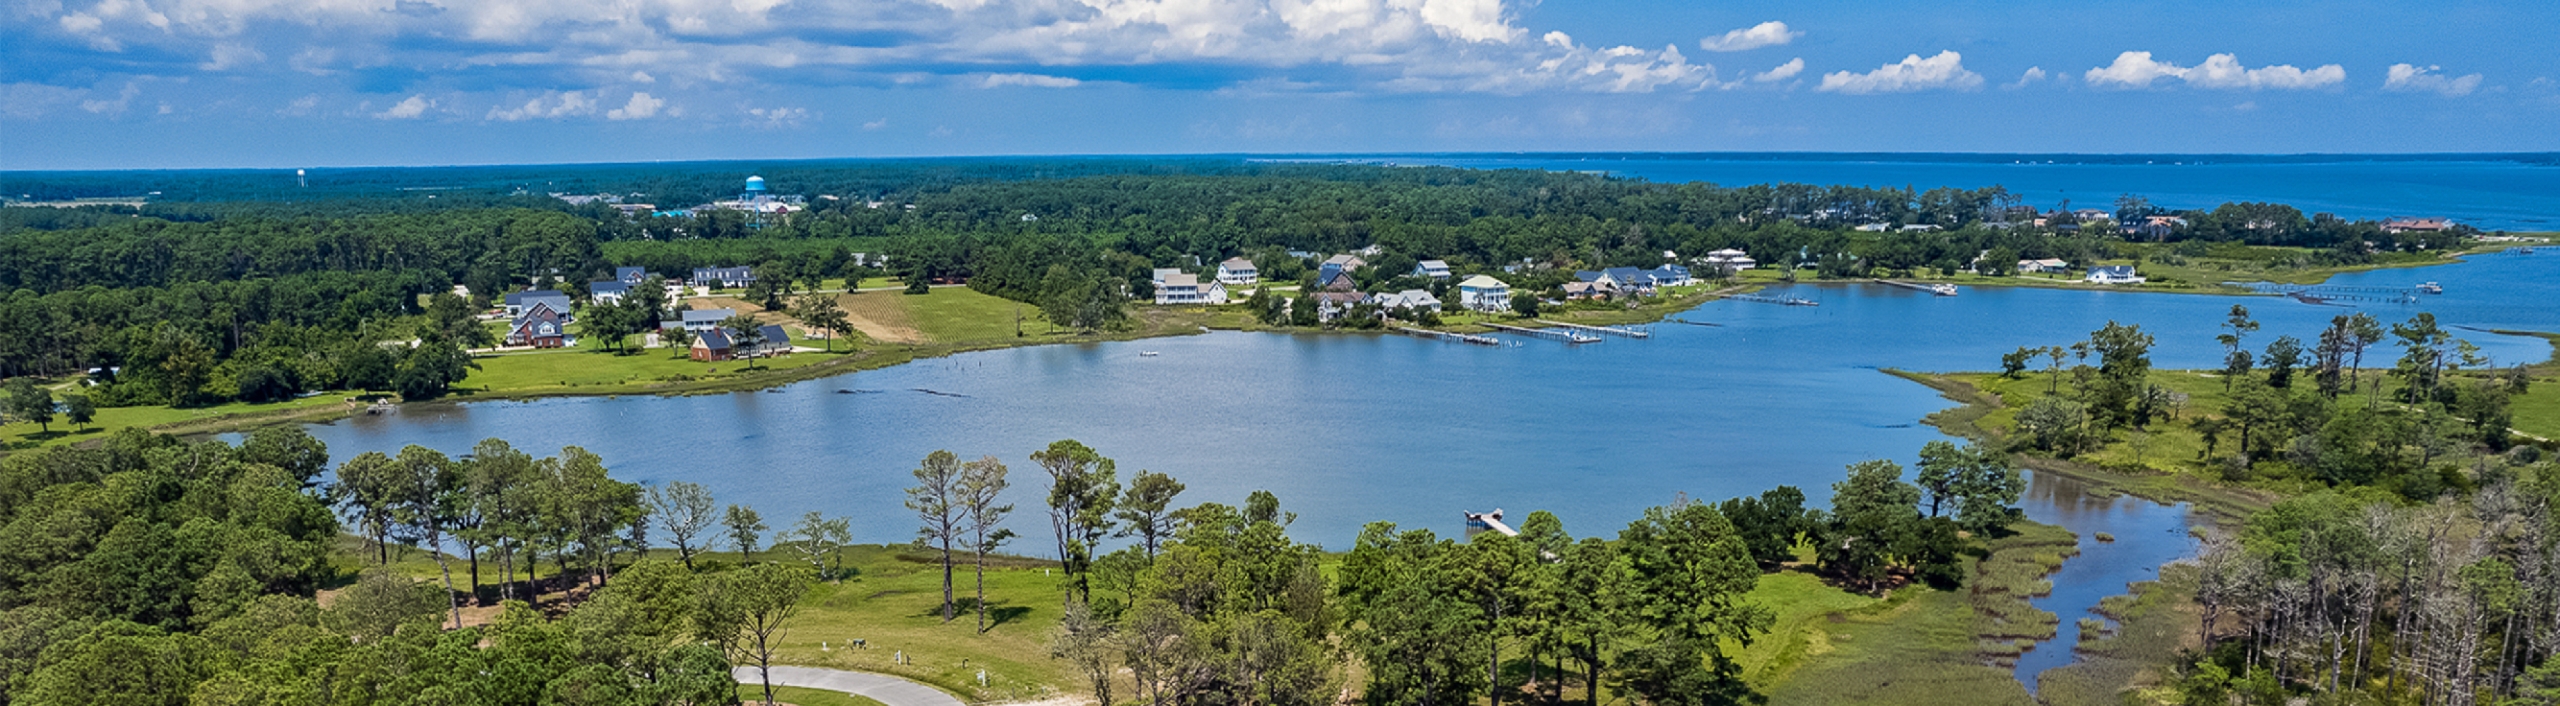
{"x": 1920, "y": 646}
{"x": 23, "y": 435}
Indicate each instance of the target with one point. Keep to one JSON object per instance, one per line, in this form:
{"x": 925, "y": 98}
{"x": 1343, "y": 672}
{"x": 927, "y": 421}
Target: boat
{"x": 1943, "y": 290}
{"x": 2430, "y": 288}
{"x": 1148, "y": 354}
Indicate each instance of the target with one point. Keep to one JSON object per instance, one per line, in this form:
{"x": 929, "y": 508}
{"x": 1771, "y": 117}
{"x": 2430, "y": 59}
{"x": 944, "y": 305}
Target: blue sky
{"x": 99, "y": 84}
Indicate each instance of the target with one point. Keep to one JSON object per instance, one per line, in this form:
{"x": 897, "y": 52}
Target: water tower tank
{"x": 755, "y": 183}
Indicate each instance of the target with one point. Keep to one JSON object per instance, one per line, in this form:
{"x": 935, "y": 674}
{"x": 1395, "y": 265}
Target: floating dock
{"x": 2322, "y": 293}
{"x": 1447, "y": 336}
{"x": 1565, "y": 336}
{"x": 1943, "y": 290}
{"x": 1630, "y": 333}
{"x": 1789, "y": 301}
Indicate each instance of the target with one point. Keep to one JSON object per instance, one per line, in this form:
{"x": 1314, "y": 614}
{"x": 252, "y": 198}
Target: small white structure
{"x": 1875, "y": 227}
{"x": 1239, "y": 271}
{"x": 1484, "y": 293}
{"x": 2114, "y": 274}
{"x": 1181, "y": 288}
{"x": 1435, "y": 269}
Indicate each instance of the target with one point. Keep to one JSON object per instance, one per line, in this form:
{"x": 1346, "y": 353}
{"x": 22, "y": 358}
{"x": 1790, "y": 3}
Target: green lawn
{"x": 566, "y": 370}
{"x": 1804, "y": 607}
{"x": 749, "y": 694}
{"x": 22, "y": 435}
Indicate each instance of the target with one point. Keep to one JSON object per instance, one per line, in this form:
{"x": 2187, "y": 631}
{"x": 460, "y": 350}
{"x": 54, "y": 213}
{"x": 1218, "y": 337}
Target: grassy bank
{"x": 2151, "y": 626}
{"x": 1919, "y": 646}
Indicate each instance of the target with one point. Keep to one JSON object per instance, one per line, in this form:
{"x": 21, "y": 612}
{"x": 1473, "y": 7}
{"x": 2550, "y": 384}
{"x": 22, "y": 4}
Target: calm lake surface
{"x": 2491, "y": 192}
{"x": 1351, "y": 429}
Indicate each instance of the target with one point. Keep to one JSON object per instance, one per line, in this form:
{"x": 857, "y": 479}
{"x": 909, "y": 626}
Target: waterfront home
{"x": 1337, "y": 266}
{"x": 1918, "y": 228}
{"x": 713, "y": 344}
{"x": 1588, "y": 290}
{"x": 700, "y": 320}
{"x": 1435, "y": 269}
{"x": 630, "y": 275}
{"x": 2416, "y": 225}
{"x": 1238, "y": 271}
{"x": 541, "y": 323}
{"x": 1669, "y": 275}
{"x": 2092, "y": 214}
{"x": 1415, "y": 299}
{"x": 2114, "y": 274}
{"x": 1332, "y": 305}
{"x": 607, "y": 293}
{"x": 1484, "y": 293}
{"x": 2046, "y": 265}
{"x": 1184, "y": 288}
{"x": 520, "y": 302}
{"x": 739, "y": 276}
{"x": 776, "y": 341}
{"x": 1730, "y": 260}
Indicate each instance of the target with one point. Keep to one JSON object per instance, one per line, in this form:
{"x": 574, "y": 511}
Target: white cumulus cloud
{"x": 1765, "y": 34}
{"x": 556, "y": 105}
{"x": 641, "y": 105}
{"x": 413, "y": 106}
{"x": 123, "y": 98}
{"x": 1032, "y": 80}
{"x": 2413, "y": 78}
{"x": 2137, "y": 69}
{"x": 1944, "y": 71}
{"x": 1783, "y": 72}
{"x": 2033, "y": 74}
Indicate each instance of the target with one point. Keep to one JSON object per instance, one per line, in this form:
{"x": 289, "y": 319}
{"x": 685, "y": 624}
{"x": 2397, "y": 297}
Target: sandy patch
{"x": 881, "y": 316}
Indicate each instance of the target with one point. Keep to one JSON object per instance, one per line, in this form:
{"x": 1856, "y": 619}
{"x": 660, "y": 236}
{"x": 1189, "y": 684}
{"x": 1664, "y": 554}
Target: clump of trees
{"x": 150, "y": 570}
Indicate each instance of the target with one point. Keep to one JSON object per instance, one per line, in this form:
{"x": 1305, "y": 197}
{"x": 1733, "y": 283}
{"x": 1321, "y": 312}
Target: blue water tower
{"x": 755, "y": 185}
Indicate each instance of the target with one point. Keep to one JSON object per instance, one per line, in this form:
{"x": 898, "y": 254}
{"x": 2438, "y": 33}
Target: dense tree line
{"x": 2368, "y": 595}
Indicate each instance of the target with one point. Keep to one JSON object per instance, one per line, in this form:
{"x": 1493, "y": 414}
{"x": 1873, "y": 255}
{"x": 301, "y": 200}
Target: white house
{"x": 607, "y": 292}
{"x": 1237, "y": 270}
{"x": 1163, "y": 273}
{"x": 1484, "y": 293}
{"x": 2114, "y": 274}
{"x": 700, "y": 320}
{"x": 1181, "y": 288}
{"x": 1435, "y": 269}
{"x": 1731, "y": 260}
{"x": 1418, "y": 299}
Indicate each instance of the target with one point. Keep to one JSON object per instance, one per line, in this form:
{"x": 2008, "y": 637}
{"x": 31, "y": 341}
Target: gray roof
{"x": 630, "y": 274}
{"x": 525, "y": 298}
{"x": 594, "y": 288}
{"x": 774, "y": 335}
{"x": 708, "y": 315}
{"x": 713, "y": 338}
{"x": 2112, "y": 270}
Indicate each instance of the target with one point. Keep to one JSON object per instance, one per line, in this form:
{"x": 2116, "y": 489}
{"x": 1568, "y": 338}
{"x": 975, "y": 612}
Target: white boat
{"x": 2430, "y": 288}
{"x": 1149, "y": 354}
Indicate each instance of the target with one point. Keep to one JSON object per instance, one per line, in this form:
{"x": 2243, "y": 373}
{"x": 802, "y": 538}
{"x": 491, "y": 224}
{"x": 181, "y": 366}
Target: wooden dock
{"x": 1630, "y": 333}
{"x": 1565, "y": 336}
{"x": 1447, "y": 336}
{"x": 1943, "y": 290}
{"x": 1789, "y": 301}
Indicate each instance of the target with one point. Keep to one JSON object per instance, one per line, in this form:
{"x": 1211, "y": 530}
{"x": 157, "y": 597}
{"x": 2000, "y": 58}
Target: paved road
{"x": 886, "y": 689}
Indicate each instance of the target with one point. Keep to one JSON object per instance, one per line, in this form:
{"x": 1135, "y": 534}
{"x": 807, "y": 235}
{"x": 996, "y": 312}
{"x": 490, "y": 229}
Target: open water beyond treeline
{"x": 1352, "y": 429}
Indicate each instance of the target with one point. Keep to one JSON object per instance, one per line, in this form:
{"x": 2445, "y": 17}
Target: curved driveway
{"x": 886, "y": 689}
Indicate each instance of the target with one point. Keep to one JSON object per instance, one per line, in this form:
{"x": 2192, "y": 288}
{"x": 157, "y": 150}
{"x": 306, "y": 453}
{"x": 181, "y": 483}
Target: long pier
{"x": 1789, "y": 301}
{"x": 1943, "y": 290}
{"x": 1447, "y": 336}
{"x": 1565, "y": 336}
{"x": 1630, "y": 333}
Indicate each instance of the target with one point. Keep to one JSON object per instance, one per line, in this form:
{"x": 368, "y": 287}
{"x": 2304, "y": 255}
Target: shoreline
{"x": 1188, "y": 321}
